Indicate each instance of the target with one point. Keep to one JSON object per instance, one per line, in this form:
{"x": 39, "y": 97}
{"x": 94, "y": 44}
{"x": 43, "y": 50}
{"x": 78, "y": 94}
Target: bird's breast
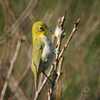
{"x": 46, "y": 52}
{"x": 47, "y": 49}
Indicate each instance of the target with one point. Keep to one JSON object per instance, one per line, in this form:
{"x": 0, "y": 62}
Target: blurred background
{"x": 81, "y": 68}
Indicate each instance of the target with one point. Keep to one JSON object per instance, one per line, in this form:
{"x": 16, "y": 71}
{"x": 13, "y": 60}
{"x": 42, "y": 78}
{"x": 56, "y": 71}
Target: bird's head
{"x": 39, "y": 28}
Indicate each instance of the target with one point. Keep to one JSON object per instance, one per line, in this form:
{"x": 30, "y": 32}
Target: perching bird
{"x": 43, "y": 51}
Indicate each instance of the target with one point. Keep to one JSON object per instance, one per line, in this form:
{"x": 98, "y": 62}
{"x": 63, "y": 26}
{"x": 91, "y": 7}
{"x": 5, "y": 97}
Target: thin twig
{"x": 24, "y": 74}
{"x": 14, "y": 84}
{"x": 10, "y": 69}
{"x": 43, "y": 83}
{"x": 60, "y": 67}
{"x": 26, "y": 13}
{"x": 57, "y": 70}
{"x": 69, "y": 38}
{"x": 16, "y": 89}
{"x": 60, "y": 30}
{"x": 15, "y": 27}
{"x": 59, "y": 80}
{"x": 53, "y": 93}
{"x": 58, "y": 62}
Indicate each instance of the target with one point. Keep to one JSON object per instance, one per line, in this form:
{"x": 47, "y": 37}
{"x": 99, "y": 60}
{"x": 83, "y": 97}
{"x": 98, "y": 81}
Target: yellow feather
{"x": 37, "y": 32}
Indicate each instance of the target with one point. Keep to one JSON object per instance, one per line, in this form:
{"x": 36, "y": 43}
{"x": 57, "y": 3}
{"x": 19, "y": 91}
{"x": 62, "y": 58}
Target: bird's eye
{"x": 41, "y": 29}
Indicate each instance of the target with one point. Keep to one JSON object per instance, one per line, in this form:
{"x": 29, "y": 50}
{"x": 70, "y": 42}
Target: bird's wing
{"x": 36, "y": 57}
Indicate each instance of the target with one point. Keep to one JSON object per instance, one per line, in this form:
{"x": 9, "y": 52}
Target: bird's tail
{"x": 34, "y": 70}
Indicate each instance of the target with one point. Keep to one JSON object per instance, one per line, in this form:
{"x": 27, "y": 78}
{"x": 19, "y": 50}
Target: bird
{"x": 43, "y": 50}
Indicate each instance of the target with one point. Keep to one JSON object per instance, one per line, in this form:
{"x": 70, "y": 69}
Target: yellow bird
{"x": 43, "y": 51}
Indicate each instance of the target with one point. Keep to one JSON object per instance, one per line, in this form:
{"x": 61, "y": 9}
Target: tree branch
{"x": 59, "y": 60}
